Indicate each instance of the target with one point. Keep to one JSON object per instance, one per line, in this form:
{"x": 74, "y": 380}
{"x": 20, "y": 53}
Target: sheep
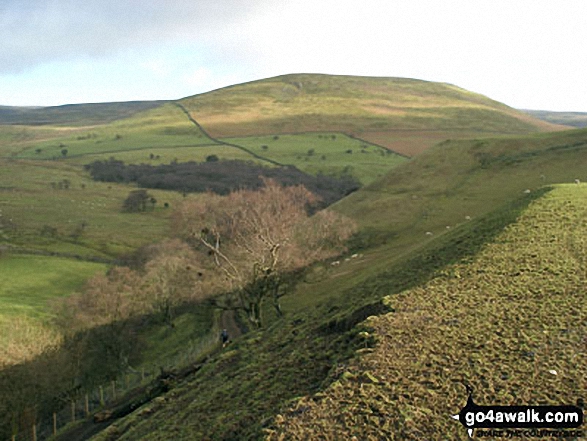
{"x": 428, "y": 233}
{"x": 335, "y": 263}
{"x": 577, "y": 181}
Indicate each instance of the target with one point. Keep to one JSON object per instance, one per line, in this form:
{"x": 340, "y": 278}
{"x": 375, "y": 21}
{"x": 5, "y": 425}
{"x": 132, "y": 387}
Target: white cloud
{"x": 527, "y": 53}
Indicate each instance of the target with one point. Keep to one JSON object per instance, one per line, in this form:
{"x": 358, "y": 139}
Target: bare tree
{"x": 255, "y": 238}
{"x": 173, "y": 276}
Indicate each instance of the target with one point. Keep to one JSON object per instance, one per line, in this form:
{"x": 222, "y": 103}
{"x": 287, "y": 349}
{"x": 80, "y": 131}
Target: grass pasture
{"x": 165, "y": 155}
{"x": 165, "y": 126}
{"x": 28, "y": 284}
{"x": 83, "y": 219}
{"x": 327, "y": 153}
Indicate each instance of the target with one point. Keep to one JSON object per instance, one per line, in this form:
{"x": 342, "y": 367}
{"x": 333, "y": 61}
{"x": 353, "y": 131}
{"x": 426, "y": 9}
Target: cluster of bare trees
{"x": 236, "y": 250}
{"x": 254, "y": 239}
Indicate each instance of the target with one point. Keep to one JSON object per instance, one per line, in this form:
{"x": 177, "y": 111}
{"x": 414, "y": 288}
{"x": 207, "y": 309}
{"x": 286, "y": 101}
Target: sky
{"x": 528, "y": 54}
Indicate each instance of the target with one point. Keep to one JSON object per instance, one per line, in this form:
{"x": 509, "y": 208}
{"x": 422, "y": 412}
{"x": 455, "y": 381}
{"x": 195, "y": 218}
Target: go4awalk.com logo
{"x": 521, "y": 421}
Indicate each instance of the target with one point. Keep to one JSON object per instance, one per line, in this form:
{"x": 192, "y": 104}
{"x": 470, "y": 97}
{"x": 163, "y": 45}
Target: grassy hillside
{"x": 510, "y": 322}
{"x": 240, "y": 392}
{"x": 574, "y": 119}
{"x": 73, "y": 114}
{"x": 38, "y": 212}
{"x": 164, "y": 126}
{"x": 365, "y": 107}
{"x": 458, "y": 179}
{"x": 28, "y": 284}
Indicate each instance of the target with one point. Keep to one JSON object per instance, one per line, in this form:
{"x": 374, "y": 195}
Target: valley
{"x": 467, "y": 208}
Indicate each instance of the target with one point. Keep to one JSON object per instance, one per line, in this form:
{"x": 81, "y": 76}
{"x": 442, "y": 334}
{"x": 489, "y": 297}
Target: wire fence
{"x": 100, "y": 398}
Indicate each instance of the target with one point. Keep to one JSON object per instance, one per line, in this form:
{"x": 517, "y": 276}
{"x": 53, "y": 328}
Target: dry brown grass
{"x": 23, "y": 338}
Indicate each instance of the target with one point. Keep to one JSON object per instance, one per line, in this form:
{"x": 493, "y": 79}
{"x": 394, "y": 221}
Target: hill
{"x": 73, "y": 114}
{"x": 476, "y": 188}
{"x": 573, "y": 119}
{"x": 510, "y": 322}
{"x": 404, "y": 115}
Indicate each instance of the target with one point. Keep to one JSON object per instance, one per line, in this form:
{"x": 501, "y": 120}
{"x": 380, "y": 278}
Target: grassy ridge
{"x": 510, "y": 322}
{"x": 74, "y": 114}
{"x": 574, "y": 119}
{"x": 444, "y": 185}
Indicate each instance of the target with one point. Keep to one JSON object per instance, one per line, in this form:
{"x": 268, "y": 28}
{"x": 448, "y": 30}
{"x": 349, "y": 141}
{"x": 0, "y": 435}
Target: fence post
{"x": 87, "y": 406}
{"x": 34, "y": 432}
{"x": 54, "y": 424}
{"x": 101, "y": 396}
{"x": 73, "y": 411}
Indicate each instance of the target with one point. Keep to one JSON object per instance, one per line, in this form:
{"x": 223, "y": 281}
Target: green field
{"x": 85, "y": 218}
{"x": 165, "y": 155}
{"x": 28, "y": 287}
{"x": 164, "y": 126}
{"x": 327, "y": 153}
{"x": 29, "y": 283}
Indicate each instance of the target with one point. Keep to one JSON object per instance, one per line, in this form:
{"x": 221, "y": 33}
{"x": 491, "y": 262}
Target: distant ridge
{"x": 74, "y": 114}
{"x": 572, "y": 119}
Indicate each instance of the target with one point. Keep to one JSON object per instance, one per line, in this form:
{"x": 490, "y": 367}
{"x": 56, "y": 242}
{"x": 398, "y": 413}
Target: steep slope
{"x": 510, "y": 322}
{"x": 238, "y": 393}
{"x": 380, "y": 110}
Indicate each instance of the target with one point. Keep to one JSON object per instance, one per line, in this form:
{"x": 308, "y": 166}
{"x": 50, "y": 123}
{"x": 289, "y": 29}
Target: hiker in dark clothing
{"x": 224, "y": 337}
